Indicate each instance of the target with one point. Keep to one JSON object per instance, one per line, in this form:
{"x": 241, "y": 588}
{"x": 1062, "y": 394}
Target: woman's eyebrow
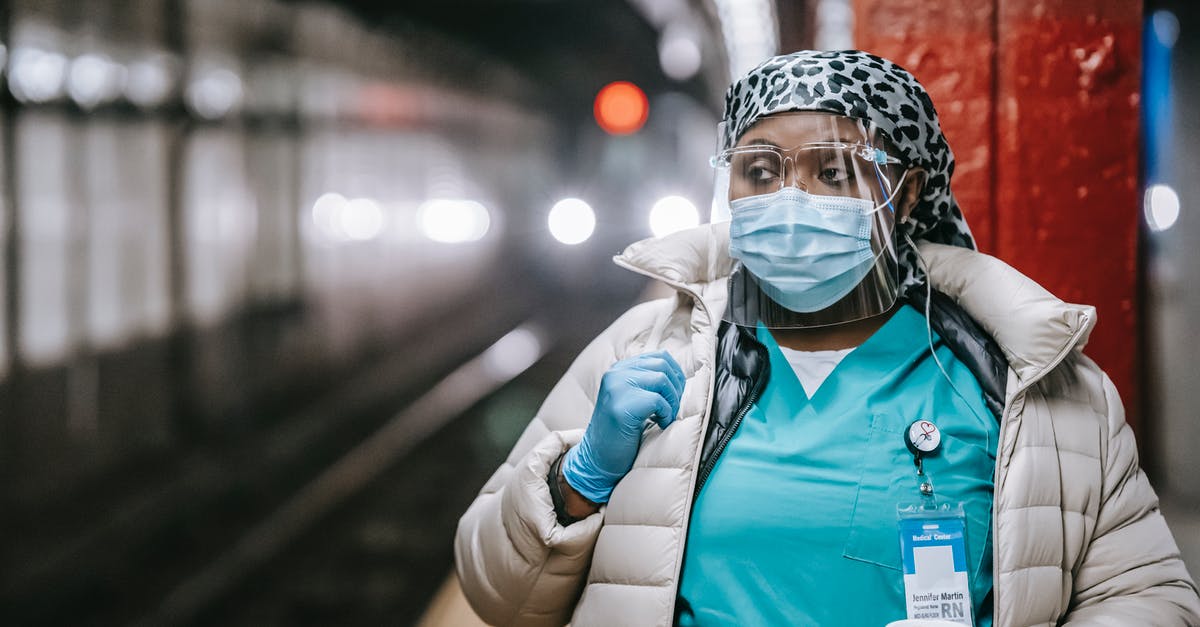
{"x": 758, "y": 141}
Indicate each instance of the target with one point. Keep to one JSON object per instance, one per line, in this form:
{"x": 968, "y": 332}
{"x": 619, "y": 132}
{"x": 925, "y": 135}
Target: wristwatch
{"x": 554, "y": 481}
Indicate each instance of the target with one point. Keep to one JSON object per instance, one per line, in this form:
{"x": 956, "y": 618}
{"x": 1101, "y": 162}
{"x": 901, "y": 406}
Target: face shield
{"x": 812, "y": 201}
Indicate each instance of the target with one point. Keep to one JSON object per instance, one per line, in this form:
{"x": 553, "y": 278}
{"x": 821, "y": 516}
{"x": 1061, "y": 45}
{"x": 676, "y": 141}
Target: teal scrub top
{"x": 797, "y": 523}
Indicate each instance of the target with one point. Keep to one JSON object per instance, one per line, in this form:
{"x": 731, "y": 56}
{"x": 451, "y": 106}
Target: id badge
{"x": 933, "y": 547}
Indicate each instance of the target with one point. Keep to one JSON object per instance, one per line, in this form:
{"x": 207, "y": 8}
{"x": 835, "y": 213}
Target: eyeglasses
{"x": 825, "y": 168}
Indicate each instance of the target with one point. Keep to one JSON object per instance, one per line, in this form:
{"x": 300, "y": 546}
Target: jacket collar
{"x": 1035, "y": 329}
{"x": 692, "y": 257}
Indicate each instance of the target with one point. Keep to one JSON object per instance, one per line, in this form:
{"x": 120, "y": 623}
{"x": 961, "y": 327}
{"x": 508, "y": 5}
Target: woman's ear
{"x": 910, "y": 194}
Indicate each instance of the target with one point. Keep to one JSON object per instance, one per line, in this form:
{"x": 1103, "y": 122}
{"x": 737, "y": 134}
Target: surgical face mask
{"x": 807, "y": 251}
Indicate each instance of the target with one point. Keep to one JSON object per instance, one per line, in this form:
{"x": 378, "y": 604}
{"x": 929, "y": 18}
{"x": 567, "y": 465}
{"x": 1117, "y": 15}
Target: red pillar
{"x": 1039, "y": 100}
{"x": 950, "y": 49}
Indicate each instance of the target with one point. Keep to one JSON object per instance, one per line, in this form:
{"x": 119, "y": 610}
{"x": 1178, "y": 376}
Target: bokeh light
{"x": 679, "y": 54}
{"x": 453, "y": 221}
{"x": 327, "y": 215}
{"x": 1162, "y": 207}
{"x": 572, "y": 221}
{"x": 361, "y": 219}
{"x": 215, "y": 93}
{"x": 621, "y": 108}
{"x": 671, "y": 214}
{"x": 513, "y": 354}
{"x": 1166, "y": 27}
{"x": 148, "y": 82}
{"x": 36, "y": 75}
{"x": 94, "y": 79}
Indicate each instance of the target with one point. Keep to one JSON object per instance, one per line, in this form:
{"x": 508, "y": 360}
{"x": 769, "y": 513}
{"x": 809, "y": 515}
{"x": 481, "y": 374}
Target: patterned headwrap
{"x": 879, "y": 92}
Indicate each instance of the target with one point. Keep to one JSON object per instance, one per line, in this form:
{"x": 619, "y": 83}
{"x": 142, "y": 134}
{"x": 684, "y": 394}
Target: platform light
{"x": 513, "y": 354}
{"x": 1162, "y": 207}
{"x": 36, "y": 75}
{"x": 621, "y": 108}
{"x": 361, "y": 219}
{"x": 214, "y": 93}
{"x": 453, "y": 221}
{"x": 1166, "y": 27}
{"x": 571, "y": 221}
{"x": 148, "y": 80}
{"x": 94, "y": 79}
{"x": 671, "y": 214}
{"x": 678, "y": 53}
{"x": 327, "y": 215}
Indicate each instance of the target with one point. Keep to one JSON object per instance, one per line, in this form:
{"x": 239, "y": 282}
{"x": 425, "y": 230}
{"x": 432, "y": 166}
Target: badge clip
{"x": 923, "y": 438}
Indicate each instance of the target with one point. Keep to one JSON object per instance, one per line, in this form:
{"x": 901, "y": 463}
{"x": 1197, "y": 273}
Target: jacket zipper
{"x": 1017, "y": 395}
{"x": 704, "y": 415}
{"x": 737, "y": 422}
{"x": 1000, "y": 445}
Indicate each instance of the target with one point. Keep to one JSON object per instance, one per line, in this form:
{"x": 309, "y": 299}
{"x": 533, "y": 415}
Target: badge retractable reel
{"x": 933, "y": 542}
{"x": 923, "y": 439}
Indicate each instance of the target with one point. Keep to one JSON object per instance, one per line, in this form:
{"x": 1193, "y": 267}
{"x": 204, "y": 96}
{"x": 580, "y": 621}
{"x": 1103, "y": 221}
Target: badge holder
{"x": 933, "y": 543}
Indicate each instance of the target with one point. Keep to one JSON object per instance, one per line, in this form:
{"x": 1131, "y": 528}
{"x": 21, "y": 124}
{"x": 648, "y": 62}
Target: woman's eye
{"x": 834, "y": 175}
{"x": 761, "y": 173}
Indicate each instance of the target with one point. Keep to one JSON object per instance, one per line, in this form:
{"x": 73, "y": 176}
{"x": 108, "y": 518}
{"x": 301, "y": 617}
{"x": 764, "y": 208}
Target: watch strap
{"x": 554, "y": 481}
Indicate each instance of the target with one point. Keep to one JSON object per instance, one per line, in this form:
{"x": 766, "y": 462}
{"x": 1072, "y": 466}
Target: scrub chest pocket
{"x": 961, "y": 473}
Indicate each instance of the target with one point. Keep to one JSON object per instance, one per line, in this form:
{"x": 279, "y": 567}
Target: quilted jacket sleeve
{"x": 517, "y": 565}
{"x": 1131, "y": 573}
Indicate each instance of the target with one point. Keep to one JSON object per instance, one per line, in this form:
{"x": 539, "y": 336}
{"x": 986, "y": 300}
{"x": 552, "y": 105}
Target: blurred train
{"x": 209, "y": 202}
{"x": 216, "y": 212}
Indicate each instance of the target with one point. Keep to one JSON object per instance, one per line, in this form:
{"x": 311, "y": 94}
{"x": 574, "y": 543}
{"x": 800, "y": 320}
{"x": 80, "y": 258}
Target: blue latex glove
{"x": 634, "y": 390}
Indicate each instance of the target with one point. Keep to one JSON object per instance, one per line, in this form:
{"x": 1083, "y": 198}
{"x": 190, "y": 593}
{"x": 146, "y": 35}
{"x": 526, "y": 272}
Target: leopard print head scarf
{"x": 879, "y": 92}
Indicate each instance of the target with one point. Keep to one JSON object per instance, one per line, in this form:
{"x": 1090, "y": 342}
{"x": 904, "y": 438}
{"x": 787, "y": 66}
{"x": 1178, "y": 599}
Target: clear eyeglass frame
{"x": 856, "y": 169}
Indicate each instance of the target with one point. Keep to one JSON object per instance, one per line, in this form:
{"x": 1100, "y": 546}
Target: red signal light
{"x": 621, "y": 108}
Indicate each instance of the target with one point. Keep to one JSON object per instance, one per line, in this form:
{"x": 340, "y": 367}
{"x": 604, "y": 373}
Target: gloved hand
{"x": 633, "y": 390}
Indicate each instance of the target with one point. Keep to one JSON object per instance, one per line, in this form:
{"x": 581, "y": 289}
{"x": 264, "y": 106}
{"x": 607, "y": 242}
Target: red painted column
{"x": 1039, "y": 100}
{"x": 1067, "y": 174}
{"x": 949, "y": 47}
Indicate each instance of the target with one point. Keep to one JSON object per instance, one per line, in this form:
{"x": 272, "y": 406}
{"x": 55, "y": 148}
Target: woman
{"x": 828, "y": 423}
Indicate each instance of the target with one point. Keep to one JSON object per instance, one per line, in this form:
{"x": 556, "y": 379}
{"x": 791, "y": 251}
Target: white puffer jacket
{"x": 1077, "y": 534}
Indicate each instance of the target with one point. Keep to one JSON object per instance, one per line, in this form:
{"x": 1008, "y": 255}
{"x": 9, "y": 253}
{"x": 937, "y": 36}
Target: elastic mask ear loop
{"x": 929, "y": 333}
